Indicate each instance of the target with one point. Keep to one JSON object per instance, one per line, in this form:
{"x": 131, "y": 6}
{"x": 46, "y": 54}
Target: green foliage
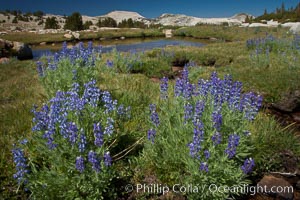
{"x": 138, "y": 62}
{"x": 51, "y": 23}
{"x": 107, "y": 22}
{"x": 282, "y": 14}
{"x": 74, "y": 22}
{"x": 87, "y": 25}
{"x": 129, "y": 23}
{"x": 15, "y": 20}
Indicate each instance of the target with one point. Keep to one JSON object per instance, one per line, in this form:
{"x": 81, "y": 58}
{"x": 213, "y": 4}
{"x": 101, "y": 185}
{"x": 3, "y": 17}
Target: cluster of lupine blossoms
{"x": 215, "y": 97}
{"x": 86, "y": 56}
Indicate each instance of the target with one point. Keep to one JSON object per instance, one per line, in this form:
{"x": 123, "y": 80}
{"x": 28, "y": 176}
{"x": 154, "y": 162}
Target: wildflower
{"x": 199, "y": 109}
{"x": 92, "y": 158}
{"x": 188, "y": 110}
{"x": 109, "y": 63}
{"x": 217, "y": 120}
{"x": 72, "y": 132}
{"x": 82, "y": 142}
{"x": 91, "y": 93}
{"x": 204, "y": 167}
{"x": 109, "y": 126}
{"x": 248, "y": 166}
{"x": 216, "y": 138}
{"x": 154, "y": 116}
{"x": 164, "y": 88}
{"x": 40, "y": 68}
{"x": 185, "y": 74}
{"x": 107, "y": 159}
{"x": 233, "y": 142}
{"x": 178, "y": 89}
{"x": 109, "y": 104}
{"x": 207, "y": 154}
{"x": 79, "y": 164}
{"x": 188, "y": 90}
{"x": 98, "y": 134}
{"x": 195, "y": 146}
{"x": 21, "y": 166}
{"x": 151, "y": 135}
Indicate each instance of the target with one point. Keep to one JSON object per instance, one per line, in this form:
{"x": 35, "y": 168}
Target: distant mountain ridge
{"x": 35, "y": 23}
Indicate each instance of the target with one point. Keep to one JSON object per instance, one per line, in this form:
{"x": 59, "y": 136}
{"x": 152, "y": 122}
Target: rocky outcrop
{"x": 289, "y": 103}
{"x": 275, "y": 187}
{"x": 19, "y": 49}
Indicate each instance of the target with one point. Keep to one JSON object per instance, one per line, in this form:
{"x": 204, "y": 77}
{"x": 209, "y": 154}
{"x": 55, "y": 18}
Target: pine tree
{"x": 74, "y": 22}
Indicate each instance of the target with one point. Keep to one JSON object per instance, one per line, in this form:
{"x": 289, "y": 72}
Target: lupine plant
{"x": 201, "y": 135}
{"x": 68, "y": 155}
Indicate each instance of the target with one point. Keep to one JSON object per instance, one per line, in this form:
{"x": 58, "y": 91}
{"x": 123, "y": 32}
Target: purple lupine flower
{"x": 233, "y": 142}
{"x": 154, "y": 116}
{"x": 203, "y": 87}
{"x": 216, "y": 138}
{"x": 185, "y": 74}
{"x": 109, "y": 63}
{"x": 188, "y": 111}
{"x": 203, "y": 167}
{"x": 107, "y": 159}
{"x": 206, "y": 154}
{"x": 217, "y": 120}
{"x": 82, "y": 142}
{"x": 41, "y": 119}
{"x": 235, "y": 95}
{"x": 72, "y": 132}
{"x": 178, "y": 88}
{"x": 40, "y": 68}
{"x": 199, "y": 109}
{"x": 164, "y": 88}
{"x": 79, "y": 164}
{"x": 109, "y": 129}
{"x": 151, "y": 135}
{"x": 188, "y": 90}
{"x": 21, "y": 165}
{"x": 247, "y": 133}
{"x": 109, "y": 104}
{"x": 91, "y": 93}
{"x": 248, "y": 166}
{"x": 98, "y": 134}
{"x": 93, "y": 159}
{"x": 195, "y": 145}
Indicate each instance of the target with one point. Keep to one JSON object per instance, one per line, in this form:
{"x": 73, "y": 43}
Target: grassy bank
{"x": 225, "y": 33}
{"x": 32, "y": 38}
{"x": 19, "y": 90}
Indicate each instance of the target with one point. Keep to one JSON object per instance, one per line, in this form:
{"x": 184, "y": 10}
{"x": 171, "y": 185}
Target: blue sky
{"x": 149, "y": 8}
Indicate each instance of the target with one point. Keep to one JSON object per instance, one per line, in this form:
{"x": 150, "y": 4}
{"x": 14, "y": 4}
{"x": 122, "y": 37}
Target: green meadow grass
{"x": 20, "y": 89}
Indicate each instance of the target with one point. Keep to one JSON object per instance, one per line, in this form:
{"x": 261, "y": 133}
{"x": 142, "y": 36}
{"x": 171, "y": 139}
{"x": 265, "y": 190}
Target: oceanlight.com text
{"x": 212, "y": 188}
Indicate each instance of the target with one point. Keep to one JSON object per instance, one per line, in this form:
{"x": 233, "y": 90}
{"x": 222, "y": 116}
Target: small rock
{"x": 53, "y": 44}
{"x": 76, "y": 35}
{"x": 290, "y": 102}
{"x": 24, "y": 53}
{"x": 276, "y": 187}
{"x": 68, "y": 36}
{"x": 43, "y": 43}
{"x": 4, "y": 60}
{"x": 122, "y": 38}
